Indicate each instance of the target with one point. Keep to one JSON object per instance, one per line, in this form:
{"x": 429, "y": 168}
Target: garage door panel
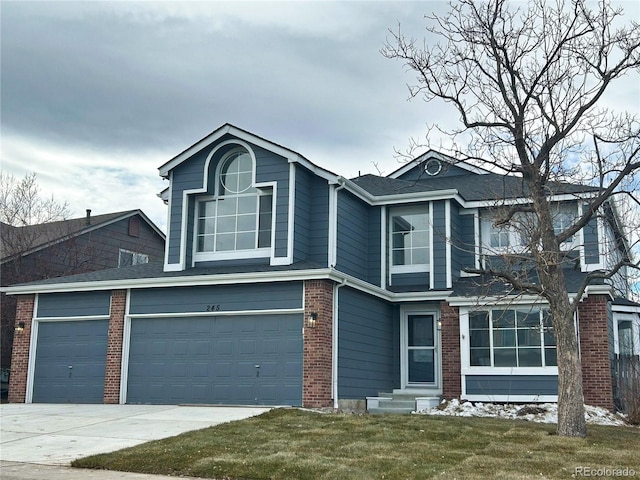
{"x": 81, "y": 345}
{"x": 220, "y": 366}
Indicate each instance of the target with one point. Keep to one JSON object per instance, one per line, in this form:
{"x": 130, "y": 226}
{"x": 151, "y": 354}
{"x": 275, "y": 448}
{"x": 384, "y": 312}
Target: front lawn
{"x": 296, "y": 444}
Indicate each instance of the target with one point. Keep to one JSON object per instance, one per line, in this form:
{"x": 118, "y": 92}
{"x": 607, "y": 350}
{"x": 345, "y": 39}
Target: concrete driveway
{"x": 49, "y": 434}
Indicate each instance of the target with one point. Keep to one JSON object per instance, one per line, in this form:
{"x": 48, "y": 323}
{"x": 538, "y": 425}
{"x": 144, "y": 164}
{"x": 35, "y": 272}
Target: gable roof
{"x": 428, "y": 155}
{"x": 227, "y": 128}
{"x": 46, "y": 234}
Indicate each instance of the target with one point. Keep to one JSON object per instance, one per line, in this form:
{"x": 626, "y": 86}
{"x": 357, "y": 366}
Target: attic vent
{"x": 134, "y": 227}
{"x": 433, "y": 167}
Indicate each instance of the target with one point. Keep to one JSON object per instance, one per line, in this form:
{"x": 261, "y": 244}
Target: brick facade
{"x": 114, "y": 346}
{"x": 20, "y": 353}
{"x": 450, "y": 345}
{"x": 593, "y": 315}
{"x": 317, "y": 354}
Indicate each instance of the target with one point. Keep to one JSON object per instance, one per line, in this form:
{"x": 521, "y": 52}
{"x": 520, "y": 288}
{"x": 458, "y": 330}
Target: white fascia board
{"x": 159, "y": 282}
{"x": 399, "y": 198}
{"x": 290, "y": 155}
{"x": 599, "y": 290}
{"x": 625, "y": 308}
{"x": 566, "y": 197}
{"x": 489, "y": 301}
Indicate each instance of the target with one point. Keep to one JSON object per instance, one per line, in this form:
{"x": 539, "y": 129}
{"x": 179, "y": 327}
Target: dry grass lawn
{"x": 295, "y": 444}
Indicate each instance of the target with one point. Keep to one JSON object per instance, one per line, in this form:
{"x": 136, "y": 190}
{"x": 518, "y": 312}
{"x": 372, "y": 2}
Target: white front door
{"x": 420, "y": 360}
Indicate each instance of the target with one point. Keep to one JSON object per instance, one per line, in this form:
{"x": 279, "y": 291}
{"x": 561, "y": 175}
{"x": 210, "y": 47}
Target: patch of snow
{"x": 535, "y": 412}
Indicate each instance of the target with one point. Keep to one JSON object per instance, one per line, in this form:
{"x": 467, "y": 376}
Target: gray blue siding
{"x": 374, "y": 247}
{"x": 74, "y": 304}
{"x": 591, "y": 241}
{"x": 368, "y": 358}
{"x": 439, "y": 245}
{"x": 411, "y": 282}
{"x": 189, "y": 175}
{"x": 448, "y": 170}
{"x": 511, "y": 385}
{"x": 274, "y": 168}
{"x": 353, "y": 235}
{"x": 311, "y": 227}
{"x": 217, "y": 298}
{"x": 462, "y": 241}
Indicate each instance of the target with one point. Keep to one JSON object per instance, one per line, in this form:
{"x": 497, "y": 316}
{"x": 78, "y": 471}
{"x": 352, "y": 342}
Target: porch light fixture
{"x": 439, "y": 325}
{"x": 312, "y": 320}
{"x": 20, "y": 327}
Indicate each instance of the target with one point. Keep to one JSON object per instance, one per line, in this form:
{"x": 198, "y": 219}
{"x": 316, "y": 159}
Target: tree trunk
{"x": 571, "y": 421}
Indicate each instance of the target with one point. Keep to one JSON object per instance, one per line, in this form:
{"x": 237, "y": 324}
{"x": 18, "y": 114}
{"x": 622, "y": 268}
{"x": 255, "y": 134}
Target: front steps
{"x": 404, "y": 402}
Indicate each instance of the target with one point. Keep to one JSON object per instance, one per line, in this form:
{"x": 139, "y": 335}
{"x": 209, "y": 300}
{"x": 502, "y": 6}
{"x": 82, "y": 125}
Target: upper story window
{"x": 238, "y": 217}
{"x": 410, "y": 239}
{"x": 515, "y": 236}
{"x": 127, "y": 258}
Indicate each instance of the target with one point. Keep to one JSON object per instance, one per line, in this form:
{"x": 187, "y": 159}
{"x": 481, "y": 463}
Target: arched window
{"x": 238, "y": 216}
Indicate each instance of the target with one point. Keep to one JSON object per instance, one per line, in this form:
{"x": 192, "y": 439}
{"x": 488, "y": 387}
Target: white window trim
{"x": 419, "y": 268}
{"x": 404, "y": 335}
{"x": 635, "y": 331}
{"x": 197, "y": 257}
{"x": 465, "y": 359}
{"x": 134, "y": 255}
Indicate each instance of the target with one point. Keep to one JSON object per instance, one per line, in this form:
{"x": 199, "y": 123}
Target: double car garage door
{"x": 245, "y": 360}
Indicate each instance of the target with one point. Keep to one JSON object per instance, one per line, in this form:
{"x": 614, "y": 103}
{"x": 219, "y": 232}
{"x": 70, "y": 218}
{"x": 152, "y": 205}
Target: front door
{"x": 420, "y": 351}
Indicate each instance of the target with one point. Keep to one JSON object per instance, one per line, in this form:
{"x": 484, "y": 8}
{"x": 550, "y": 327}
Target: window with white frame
{"x": 410, "y": 239}
{"x": 238, "y": 217}
{"x": 563, "y": 217}
{"x": 511, "y": 337}
{"x": 128, "y": 258}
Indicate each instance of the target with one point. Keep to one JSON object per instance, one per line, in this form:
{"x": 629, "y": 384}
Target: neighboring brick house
{"x": 283, "y": 283}
{"x": 78, "y": 245}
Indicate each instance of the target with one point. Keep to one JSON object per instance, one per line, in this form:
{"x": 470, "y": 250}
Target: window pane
{"x": 503, "y": 318}
{"x": 529, "y": 357}
{"x": 247, "y": 223}
{"x": 207, "y": 209}
{"x": 206, "y": 225}
{"x": 479, "y": 338}
{"x": 480, "y": 357}
{"x": 420, "y": 256}
{"x": 246, "y": 241}
{"x": 225, "y": 242}
{"x": 528, "y": 337}
{"x": 504, "y": 338}
{"x": 421, "y": 366}
{"x": 420, "y": 330}
{"x": 247, "y": 204}
{"x": 550, "y": 357}
{"x": 529, "y": 318}
{"x": 264, "y": 238}
{"x": 226, "y": 225}
{"x": 479, "y": 320}
{"x": 227, "y": 206}
{"x": 205, "y": 243}
{"x": 504, "y": 357}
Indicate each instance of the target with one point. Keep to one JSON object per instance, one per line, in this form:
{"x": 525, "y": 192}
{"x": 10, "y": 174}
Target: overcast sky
{"x": 97, "y": 95}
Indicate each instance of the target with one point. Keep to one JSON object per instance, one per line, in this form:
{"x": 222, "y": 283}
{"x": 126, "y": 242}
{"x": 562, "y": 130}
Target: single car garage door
{"x": 70, "y": 361}
{"x": 243, "y": 360}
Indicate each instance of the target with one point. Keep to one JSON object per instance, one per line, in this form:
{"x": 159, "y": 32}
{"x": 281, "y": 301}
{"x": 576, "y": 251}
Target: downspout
{"x": 333, "y": 259}
{"x": 333, "y": 240}
{"x": 334, "y": 346}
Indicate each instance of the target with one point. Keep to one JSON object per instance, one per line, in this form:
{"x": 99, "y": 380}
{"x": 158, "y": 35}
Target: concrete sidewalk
{"x": 47, "y": 434}
{"x": 30, "y": 471}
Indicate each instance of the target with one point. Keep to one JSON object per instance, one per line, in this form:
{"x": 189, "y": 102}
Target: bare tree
{"x": 21, "y": 206}
{"x": 528, "y": 84}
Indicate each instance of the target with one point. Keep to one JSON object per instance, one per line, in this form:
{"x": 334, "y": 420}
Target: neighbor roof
{"x": 45, "y": 234}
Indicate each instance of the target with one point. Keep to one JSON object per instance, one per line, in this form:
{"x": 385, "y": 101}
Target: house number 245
{"x": 213, "y": 308}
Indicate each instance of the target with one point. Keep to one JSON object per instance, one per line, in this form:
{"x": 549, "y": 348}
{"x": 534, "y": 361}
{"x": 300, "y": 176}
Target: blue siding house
{"x": 286, "y": 284}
